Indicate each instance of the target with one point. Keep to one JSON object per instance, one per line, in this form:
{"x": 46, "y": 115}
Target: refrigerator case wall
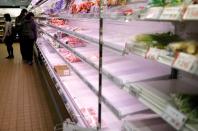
{"x": 132, "y": 85}
{"x": 84, "y": 103}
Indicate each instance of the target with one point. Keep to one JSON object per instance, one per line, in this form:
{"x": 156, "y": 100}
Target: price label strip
{"x": 72, "y": 127}
{"x": 172, "y": 13}
{"x": 185, "y": 62}
{"x": 137, "y": 49}
{"x": 191, "y": 13}
{"x": 153, "y": 54}
{"x": 174, "y": 117}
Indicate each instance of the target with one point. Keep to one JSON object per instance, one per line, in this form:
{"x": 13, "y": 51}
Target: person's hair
{"x": 23, "y": 11}
{"x": 29, "y": 16}
{"x": 7, "y": 17}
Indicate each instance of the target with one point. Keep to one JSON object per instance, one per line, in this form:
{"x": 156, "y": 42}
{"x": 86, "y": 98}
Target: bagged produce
{"x": 159, "y": 40}
{"x": 190, "y": 47}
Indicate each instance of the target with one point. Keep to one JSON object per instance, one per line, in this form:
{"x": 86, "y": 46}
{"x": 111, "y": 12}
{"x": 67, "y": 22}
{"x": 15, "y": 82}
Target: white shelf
{"x": 165, "y": 57}
{"x": 131, "y": 76}
{"x": 113, "y": 63}
{"x": 158, "y": 14}
{"x": 157, "y": 96}
{"x": 114, "y": 38}
{"x": 150, "y": 124}
{"x": 81, "y": 97}
{"x": 67, "y": 82}
{"x": 90, "y": 77}
{"x": 49, "y": 63}
{"x": 91, "y": 39}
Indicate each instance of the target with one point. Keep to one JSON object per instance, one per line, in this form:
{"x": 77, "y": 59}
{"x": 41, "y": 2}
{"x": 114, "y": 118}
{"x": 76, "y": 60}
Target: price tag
{"x": 174, "y": 117}
{"x": 153, "y": 13}
{"x": 153, "y": 54}
{"x": 191, "y": 13}
{"x": 185, "y": 62}
{"x": 172, "y": 13}
{"x": 66, "y": 72}
{"x": 166, "y": 58}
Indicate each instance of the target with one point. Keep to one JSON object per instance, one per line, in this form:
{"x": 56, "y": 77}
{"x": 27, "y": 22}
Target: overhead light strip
{"x": 39, "y": 3}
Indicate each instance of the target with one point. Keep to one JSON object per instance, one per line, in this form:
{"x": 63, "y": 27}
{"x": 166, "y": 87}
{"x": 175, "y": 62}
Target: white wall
{"x": 14, "y": 12}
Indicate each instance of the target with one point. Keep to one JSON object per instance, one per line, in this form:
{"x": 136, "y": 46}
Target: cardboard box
{"x": 62, "y": 70}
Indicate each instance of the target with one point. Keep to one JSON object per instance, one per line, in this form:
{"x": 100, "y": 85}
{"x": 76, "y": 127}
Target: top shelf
{"x": 158, "y": 14}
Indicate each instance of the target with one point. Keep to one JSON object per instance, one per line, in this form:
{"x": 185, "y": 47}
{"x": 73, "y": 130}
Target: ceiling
{"x": 14, "y": 3}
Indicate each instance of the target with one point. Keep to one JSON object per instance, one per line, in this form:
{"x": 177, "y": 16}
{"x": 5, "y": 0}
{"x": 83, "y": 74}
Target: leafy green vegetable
{"x": 157, "y": 2}
{"x": 157, "y": 40}
{"x": 165, "y": 2}
{"x": 188, "y": 104}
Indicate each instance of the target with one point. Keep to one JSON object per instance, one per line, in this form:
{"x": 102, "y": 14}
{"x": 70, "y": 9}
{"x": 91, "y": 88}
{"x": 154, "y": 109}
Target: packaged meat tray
{"x": 63, "y": 51}
{"x": 57, "y": 21}
{"x": 68, "y": 55}
{"x": 72, "y": 58}
{"x": 74, "y": 42}
{"x": 62, "y": 70}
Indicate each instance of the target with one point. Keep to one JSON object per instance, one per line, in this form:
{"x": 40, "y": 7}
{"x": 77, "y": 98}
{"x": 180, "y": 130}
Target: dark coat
{"x": 29, "y": 29}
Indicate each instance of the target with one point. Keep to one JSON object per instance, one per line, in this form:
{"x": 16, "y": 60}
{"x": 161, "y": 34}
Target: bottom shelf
{"x": 151, "y": 124}
{"x": 82, "y": 101}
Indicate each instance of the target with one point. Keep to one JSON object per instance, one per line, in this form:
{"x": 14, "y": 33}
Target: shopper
{"x": 7, "y": 37}
{"x": 29, "y": 36}
{"x": 18, "y": 27}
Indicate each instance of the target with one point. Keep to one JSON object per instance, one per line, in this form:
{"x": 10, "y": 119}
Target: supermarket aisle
{"x": 23, "y": 104}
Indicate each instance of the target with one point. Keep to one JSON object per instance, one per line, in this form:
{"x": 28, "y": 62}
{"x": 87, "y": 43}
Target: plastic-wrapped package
{"x": 72, "y": 58}
{"x": 74, "y": 42}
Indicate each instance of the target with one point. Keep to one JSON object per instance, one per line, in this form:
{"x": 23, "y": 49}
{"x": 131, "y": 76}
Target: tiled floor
{"x": 23, "y": 103}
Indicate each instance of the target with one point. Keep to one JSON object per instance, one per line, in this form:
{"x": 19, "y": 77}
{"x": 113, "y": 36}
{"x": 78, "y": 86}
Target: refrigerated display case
{"x": 149, "y": 64}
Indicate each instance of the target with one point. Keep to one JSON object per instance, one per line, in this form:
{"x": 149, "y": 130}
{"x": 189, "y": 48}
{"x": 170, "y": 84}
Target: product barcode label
{"x": 153, "y": 53}
{"x": 66, "y": 72}
{"x": 174, "y": 117}
{"x": 185, "y": 62}
{"x": 166, "y": 58}
{"x": 191, "y": 12}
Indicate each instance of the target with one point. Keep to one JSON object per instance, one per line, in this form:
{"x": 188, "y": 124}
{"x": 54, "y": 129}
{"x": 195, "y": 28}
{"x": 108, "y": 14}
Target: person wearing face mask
{"x": 7, "y": 37}
{"x": 18, "y": 27}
